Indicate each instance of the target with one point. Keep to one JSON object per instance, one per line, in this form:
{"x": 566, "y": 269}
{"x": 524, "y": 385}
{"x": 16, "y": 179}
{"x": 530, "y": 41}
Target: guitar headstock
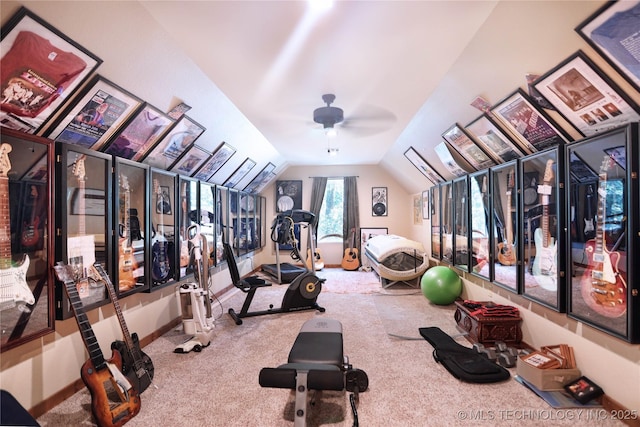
{"x": 484, "y": 185}
{"x": 511, "y": 179}
{"x": 548, "y": 172}
{"x": 5, "y": 164}
{"x": 156, "y": 187}
{"x": 64, "y": 272}
{"x": 78, "y": 168}
{"x": 607, "y": 162}
{"x": 124, "y": 182}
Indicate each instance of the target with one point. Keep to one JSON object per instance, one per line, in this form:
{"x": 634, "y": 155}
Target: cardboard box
{"x": 546, "y": 379}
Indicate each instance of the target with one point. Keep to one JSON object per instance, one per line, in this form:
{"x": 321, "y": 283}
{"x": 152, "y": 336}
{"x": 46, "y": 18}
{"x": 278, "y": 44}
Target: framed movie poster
{"x": 215, "y": 162}
{"x": 493, "y": 141}
{"x": 379, "y": 201}
{"x": 96, "y": 114}
{"x": 138, "y": 135}
{"x": 180, "y": 137}
{"x": 613, "y": 32}
{"x": 532, "y": 126}
{"x": 458, "y": 138}
{"x": 260, "y": 178}
{"x": 288, "y": 195}
{"x": 421, "y": 164}
{"x": 239, "y": 173}
{"x": 586, "y": 97}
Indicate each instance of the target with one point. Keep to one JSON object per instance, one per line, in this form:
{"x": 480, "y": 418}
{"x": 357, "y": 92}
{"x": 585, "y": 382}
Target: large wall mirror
{"x": 446, "y": 193}
{"x": 435, "y": 222}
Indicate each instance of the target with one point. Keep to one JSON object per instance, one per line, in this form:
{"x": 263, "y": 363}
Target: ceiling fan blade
{"x": 370, "y": 112}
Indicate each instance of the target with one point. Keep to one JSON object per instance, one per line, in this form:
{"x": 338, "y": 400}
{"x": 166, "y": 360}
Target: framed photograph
{"x": 179, "y": 137}
{"x": 533, "y": 128}
{"x": 584, "y": 390}
{"x": 258, "y": 180}
{"x": 379, "y": 201}
{"x": 580, "y": 170}
{"x": 95, "y": 114}
{"x": 493, "y": 140}
{"x": 618, "y": 155}
{"x": 239, "y": 173}
{"x": 38, "y": 172}
{"x": 426, "y": 208}
{"x": 163, "y": 200}
{"x": 421, "y": 164}
{"x": 139, "y": 134}
{"x": 215, "y": 162}
{"x": 447, "y": 160}
{"x": 92, "y": 202}
{"x": 264, "y": 183}
{"x": 586, "y": 97}
{"x": 190, "y": 161}
{"x": 39, "y": 70}
{"x": 539, "y": 360}
{"x": 611, "y": 31}
{"x": 461, "y": 141}
{"x": 288, "y": 195}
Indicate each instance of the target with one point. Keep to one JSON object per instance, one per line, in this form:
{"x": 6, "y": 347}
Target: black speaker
{"x": 530, "y": 182}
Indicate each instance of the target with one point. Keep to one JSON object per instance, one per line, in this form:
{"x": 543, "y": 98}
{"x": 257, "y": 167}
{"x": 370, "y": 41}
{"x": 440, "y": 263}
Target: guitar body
{"x": 30, "y": 233}
{"x": 160, "y": 259}
{"x": 110, "y": 405}
{"x": 506, "y": 253}
{"x": 350, "y": 260}
{"x": 14, "y": 287}
{"x": 140, "y": 372}
{"x": 126, "y": 266}
{"x": 317, "y": 260}
{"x": 603, "y": 286}
{"x": 545, "y": 264}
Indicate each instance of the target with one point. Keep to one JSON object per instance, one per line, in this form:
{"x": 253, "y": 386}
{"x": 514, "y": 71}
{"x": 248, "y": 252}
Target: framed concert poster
{"x": 533, "y": 128}
{"x": 191, "y": 160}
{"x": 288, "y": 195}
{"x": 239, "y": 173}
{"x": 139, "y": 134}
{"x": 611, "y": 31}
{"x": 270, "y": 176}
{"x": 180, "y": 136}
{"x": 586, "y": 97}
{"x": 379, "y": 201}
{"x": 215, "y": 162}
{"x": 257, "y": 182}
{"x": 493, "y": 140}
{"x": 460, "y": 140}
{"x": 39, "y": 70}
{"x": 94, "y": 115}
{"x": 421, "y": 164}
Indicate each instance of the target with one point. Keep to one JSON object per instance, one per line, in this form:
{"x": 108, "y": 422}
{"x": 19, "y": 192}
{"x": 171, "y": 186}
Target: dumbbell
{"x": 488, "y": 352}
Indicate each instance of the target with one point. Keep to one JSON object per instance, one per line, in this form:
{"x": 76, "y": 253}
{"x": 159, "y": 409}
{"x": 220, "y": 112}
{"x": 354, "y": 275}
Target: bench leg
{"x": 300, "y": 413}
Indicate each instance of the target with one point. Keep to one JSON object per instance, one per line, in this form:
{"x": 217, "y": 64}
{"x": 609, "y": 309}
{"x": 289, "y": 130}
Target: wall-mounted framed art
{"x": 139, "y": 134}
{"x": 426, "y": 208}
{"x": 493, "y": 140}
{"x": 586, "y": 96}
{"x": 611, "y": 31}
{"x": 259, "y": 179}
{"x": 461, "y": 141}
{"x": 533, "y": 128}
{"x": 239, "y": 173}
{"x": 579, "y": 169}
{"x": 436, "y": 230}
{"x": 191, "y": 160}
{"x": 270, "y": 177}
{"x": 55, "y": 67}
{"x": 215, "y": 162}
{"x": 379, "y": 201}
{"x": 447, "y": 160}
{"x": 288, "y": 195}
{"x": 178, "y": 138}
{"x": 95, "y": 115}
{"x": 421, "y": 164}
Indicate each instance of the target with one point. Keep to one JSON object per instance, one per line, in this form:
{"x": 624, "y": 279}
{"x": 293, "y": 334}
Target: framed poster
{"x": 426, "y": 209}
{"x": 264, "y": 183}
{"x": 38, "y": 172}
{"x": 493, "y": 140}
{"x": 618, "y": 154}
{"x": 613, "y": 32}
{"x": 258, "y": 180}
{"x": 239, "y": 173}
{"x": 447, "y": 160}
{"x": 533, "y": 128}
{"x": 379, "y": 201}
{"x": 586, "y": 97}
{"x": 40, "y": 69}
{"x": 191, "y": 160}
{"x": 288, "y": 195}
{"x": 179, "y": 137}
{"x": 421, "y": 164}
{"x": 460, "y": 140}
{"x": 94, "y": 117}
{"x": 136, "y": 137}
{"x": 215, "y": 162}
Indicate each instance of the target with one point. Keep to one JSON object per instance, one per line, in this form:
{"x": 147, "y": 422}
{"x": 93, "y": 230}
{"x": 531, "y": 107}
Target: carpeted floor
{"x": 219, "y": 386}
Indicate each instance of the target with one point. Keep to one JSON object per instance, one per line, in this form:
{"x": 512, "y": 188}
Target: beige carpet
{"x": 219, "y": 386}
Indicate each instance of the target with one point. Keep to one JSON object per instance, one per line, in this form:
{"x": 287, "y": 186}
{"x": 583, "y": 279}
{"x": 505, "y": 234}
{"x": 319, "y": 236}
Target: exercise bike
{"x": 302, "y": 292}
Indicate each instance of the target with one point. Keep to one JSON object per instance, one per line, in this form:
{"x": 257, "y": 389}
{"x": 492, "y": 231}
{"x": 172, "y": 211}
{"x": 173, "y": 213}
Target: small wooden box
{"x": 488, "y": 330}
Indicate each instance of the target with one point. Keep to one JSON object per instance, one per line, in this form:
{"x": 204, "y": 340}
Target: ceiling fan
{"x": 328, "y": 116}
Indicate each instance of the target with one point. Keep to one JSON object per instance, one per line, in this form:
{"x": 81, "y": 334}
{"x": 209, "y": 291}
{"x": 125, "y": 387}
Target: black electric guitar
{"x": 159, "y": 247}
{"x": 113, "y": 400}
{"x": 350, "y": 260}
{"x": 136, "y": 365}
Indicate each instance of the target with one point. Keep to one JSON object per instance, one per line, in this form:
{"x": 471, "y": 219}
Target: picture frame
{"x": 532, "y": 127}
{"x": 583, "y": 390}
{"x": 539, "y": 360}
{"x": 95, "y": 114}
{"x": 38, "y": 171}
{"x": 218, "y": 159}
{"x": 29, "y": 42}
{"x": 288, "y": 195}
{"x": 379, "y": 201}
{"x": 443, "y": 152}
{"x": 421, "y": 164}
{"x": 265, "y": 182}
{"x": 608, "y": 30}
{"x": 618, "y": 155}
{"x": 493, "y": 141}
{"x": 462, "y": 142}
{"x": 163, "y": 200}
{"x": 580, "y": 170}
{"x": 191, "y": 160}
{"x": 239, "y": 173}
{"x": 586, "y": 97}
{"x": 184, "y": 132}
{"x": 139, "y": 134}
{"x": 256, "y": 182}
{"x": 426, "y": 207}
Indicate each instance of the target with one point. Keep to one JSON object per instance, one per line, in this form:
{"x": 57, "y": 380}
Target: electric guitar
{"x": 126, "y": 263}
{"x": 31, "y": 229}
{"x": 506, "y": 249}
{"x": 603, "y": 286}
{"x": 185, "y": 254}
{"x": 159, "y": 248}
{"x": 113, "y": 400}
{"x": 13, "y": 279}
{"x": 545, "y": 264}
{"x": 350, "y": 260}
{"x": 588, "y": 221}
{"x": 136, "y": 365}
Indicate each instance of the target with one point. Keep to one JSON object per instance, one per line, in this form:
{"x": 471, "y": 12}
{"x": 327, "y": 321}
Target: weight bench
{"x": 316, "y": 362}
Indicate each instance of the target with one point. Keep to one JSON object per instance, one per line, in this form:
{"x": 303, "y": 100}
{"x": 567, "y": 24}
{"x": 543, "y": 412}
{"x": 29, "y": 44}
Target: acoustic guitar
{"x": 506, "y": 248}
{"x": 159, "y": 247}
{"x": 316, "y": 259}
{"x": 545, "y": 264}
{"x": 113, "y": 400}
{"x": 136, "y": 365}
{"x": 126, "y": 263}
{"x": 351, "y": 260}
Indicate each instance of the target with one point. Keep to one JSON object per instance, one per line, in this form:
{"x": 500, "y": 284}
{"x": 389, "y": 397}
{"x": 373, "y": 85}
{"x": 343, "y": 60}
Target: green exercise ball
{"x": 441, "y": 285}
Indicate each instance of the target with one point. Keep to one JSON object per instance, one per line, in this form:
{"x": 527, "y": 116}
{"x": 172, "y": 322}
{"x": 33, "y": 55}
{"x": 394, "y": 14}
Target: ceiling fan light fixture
{"x": 332, "y": 151}
{"x": 330, "y": 131}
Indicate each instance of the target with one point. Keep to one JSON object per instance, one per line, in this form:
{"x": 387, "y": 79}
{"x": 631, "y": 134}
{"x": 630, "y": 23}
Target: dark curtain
{"x": 317, "y": 196}
{"x": 351, "y": 215}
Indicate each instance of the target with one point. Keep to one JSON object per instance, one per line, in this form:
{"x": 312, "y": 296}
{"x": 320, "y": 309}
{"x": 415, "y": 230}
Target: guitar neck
{"x": 5, "y": 225}
{"x": 82, "y": 227}
{"x": 602, "y": 208}
{"x": 507, "y": 219}
{"x": 116, "y": 305}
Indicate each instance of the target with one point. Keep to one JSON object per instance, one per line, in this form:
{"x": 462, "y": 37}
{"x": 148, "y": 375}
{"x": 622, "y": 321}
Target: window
{"x": 330, "y": 220}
